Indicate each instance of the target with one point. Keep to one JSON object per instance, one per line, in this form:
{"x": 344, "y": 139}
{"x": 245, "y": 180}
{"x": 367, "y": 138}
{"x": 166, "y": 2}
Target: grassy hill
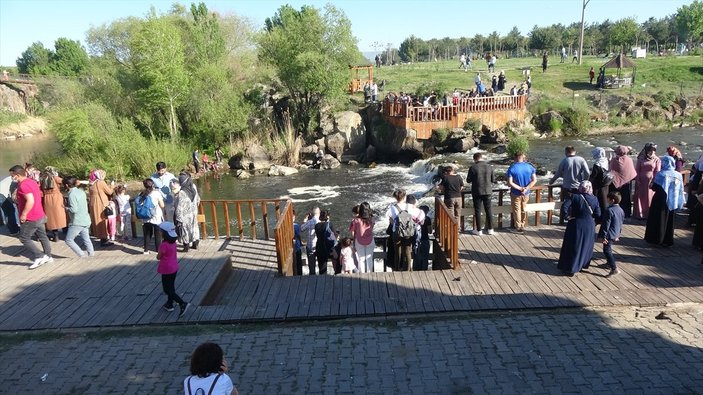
{"x": 562, "y": 86}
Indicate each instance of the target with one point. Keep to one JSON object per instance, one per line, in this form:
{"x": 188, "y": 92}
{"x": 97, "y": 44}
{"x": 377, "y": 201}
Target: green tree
{"x": 689, "y": 22}
{"x": 477, "y": 43}
{"x": 35, "y": 60}
{"x": 69, "y": 58}
{"x": 513, "y": 39}
{"x": 544, "y": 38}
{"x": 159, "y": 61}
{"x": 311, "y": 53}
{"x": 624, "y": 32}
{"x": 409, "y": 49}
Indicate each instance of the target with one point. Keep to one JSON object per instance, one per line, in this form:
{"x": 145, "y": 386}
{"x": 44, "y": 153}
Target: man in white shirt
{"x": 162, "y": 182}
{"x": 403, "y": 248}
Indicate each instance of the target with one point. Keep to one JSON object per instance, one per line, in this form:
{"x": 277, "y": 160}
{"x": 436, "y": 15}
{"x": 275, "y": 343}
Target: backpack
{"x": 145, "y": 207}
{"x": 404, "y": 225}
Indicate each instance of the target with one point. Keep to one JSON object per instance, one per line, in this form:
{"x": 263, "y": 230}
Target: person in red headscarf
{"x": 679, "y": 161}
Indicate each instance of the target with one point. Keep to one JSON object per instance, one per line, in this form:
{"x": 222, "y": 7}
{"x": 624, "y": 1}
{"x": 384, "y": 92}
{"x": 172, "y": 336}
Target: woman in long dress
{"x": 52, "y": 201}
{"x": 648, "y": 165}
{"x": 597, "y": 178}
{"x": 668, "y": 197}
{"x": 187, "y": 185}
{"x": 577, "y": 247}
{"x": 623, "y": 170}
{"x": 98, "y": 198}
{"x": 185, "y": 213}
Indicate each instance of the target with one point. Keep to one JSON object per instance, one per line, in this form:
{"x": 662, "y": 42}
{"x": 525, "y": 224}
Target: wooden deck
{"x": 507, "y": 271}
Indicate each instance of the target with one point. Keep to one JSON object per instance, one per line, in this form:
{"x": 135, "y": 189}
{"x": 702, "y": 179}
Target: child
{"x": 346, "y": 256}
{"x": 423, "y": 251}
{"x": 112, "y": 221}
{"x": 168, "y": 267}
{"x": 125, "y": 210}
{"x": 610, "y": 230}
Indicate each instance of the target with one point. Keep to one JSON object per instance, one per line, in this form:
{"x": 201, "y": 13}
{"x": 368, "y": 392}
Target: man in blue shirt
{"x": 162, "y": 182}
{"x": 521, "y": 177}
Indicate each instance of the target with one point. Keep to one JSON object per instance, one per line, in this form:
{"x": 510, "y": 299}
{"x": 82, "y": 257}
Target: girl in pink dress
{"x": 647, "y": 167}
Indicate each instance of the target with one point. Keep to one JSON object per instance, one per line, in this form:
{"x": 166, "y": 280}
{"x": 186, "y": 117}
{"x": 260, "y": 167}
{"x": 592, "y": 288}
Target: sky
{"x": 374, "y": 23}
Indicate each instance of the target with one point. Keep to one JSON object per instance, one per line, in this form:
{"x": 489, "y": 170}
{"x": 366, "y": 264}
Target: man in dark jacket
{"x": 451, "y": 188}
{"x": 481, "y": 178}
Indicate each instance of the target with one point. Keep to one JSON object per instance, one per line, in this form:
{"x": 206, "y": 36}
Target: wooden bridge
{"x": 238, "y": 278}
{"x": 494, "y": 111}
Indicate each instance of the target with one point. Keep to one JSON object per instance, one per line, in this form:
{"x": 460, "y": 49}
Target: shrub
{"x": 91, "y": 137}
{"x": 665, "y": 98}
{"x": 576, "y": 121}
{"x": 473, "y": 125}
{"x": 554, "y": 125}
{"x": 518, "y": 144}
{"x": 440, "y": 135}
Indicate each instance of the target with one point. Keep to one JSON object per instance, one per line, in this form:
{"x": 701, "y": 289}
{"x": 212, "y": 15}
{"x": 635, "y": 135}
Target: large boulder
{"x": 254, "y": 158}
{"x": 327, "y": 125}
{"x": 277, "y": 170}
{"x": 351, "y": 126}
{"x": 12, "y": 100}
{"x": 242, "y": 174}
{"x": 370, "y": 155}
{"x": 336, "y": 144}
{"x": 309, "y": 149}
{"x": 543, "y": 120}
{"x": 463, "y": 144}
{"x": 329, "y": 162}
{"x": 398, "y": 143}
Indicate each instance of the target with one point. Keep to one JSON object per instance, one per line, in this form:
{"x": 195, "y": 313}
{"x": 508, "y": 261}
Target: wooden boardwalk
{"x": 507, "y": 271}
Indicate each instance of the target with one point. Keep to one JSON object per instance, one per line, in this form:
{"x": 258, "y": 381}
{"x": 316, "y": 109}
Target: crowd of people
{"x": 45, "y": 204}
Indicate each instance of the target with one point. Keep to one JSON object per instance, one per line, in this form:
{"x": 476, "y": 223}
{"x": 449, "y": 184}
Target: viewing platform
{"x": 494, "y": 112}
{"x": 231, "y": 280}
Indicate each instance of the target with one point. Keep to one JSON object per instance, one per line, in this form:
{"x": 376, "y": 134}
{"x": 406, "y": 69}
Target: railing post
{"x": 252, "y": 220}
{"x": 226, "y": 207}
{"x": 240, "y": 224}
{"x": 215, "y": 226}
{"x": 265, "y": 216}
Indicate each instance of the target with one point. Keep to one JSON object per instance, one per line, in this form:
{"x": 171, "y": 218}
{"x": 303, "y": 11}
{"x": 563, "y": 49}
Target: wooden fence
{"x": 446, "y": 234}
{"x": 445, "y": 113}
{"x": 284, "y": 240}
{"x": 250, "y": 218}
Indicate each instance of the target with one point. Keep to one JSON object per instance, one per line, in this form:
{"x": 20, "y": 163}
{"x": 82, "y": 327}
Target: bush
{"x": 440, "y": 135}
{"x": 576, "y": 121}
{"x": 473, "y": 125}
{"x": 91, "y": 137}
{"x": 518, "y": 145}
{"x": 665, "y": 98}
{"x": 554, "y": 125}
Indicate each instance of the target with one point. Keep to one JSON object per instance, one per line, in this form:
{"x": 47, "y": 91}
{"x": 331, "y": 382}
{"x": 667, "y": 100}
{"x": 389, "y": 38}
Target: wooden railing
{"x": 446, "y": 234}
{"x": 284, "y": 240}
{"x": 249, "y": 215}
{"x": 445, "y": 113}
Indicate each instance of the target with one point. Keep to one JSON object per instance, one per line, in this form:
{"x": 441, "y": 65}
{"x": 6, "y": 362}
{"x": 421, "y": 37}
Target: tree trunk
{"x": 172, "y": 122}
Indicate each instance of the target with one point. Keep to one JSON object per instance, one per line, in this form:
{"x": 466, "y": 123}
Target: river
{"x": 340, "y": 189}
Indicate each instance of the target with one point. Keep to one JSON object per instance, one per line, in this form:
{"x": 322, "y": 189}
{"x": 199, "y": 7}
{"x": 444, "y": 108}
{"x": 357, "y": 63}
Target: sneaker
{"x": 38, "y": 262}
{"x": 613, "y": 272}
{"x": 195, "y": 244}
{"x": 184, "y": 308}
{"x": 146, "y": 253}
{"x": 168, "y": 308}
{"x": 490, "y": 232}
{"x": 477, "y": 232}
{"x": 48, "y": 259}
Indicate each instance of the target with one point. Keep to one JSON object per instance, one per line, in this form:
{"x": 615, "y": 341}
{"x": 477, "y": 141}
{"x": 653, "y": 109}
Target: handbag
{"x": 108, "y": 211}
{"x": 607, "y": 178}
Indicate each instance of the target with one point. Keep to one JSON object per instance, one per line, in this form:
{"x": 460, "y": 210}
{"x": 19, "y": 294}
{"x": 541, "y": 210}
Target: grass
{"x": 8, "y": 118}
{"x": 561, "y": 81}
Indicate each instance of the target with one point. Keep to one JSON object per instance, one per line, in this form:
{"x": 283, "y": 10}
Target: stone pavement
{"x": 615, "y": 350}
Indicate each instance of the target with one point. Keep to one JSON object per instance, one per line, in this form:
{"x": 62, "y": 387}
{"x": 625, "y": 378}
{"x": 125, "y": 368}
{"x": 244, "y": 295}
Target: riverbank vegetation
{"x": 157, "y": 87}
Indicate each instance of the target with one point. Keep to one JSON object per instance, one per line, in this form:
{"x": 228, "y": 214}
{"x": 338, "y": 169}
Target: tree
{"x": 69, "y": 58}
{"x": 159, "y": 61}
{"x": 544, "y": 38}
{"x": 494, "y": 41}
{"x": 477, "y": 43}
{"x": 35, "y": 60}
{"x": 311, "y": 53}
{"x": 624, "y": 32}
{"x": 689, "y": 22}
{"x": 658, "y": 29}
{"x": 409, "y": 49}
{"x": 513, "y": 39}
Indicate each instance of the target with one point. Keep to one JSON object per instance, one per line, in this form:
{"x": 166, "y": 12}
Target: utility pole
{"x": 583, "y": 13}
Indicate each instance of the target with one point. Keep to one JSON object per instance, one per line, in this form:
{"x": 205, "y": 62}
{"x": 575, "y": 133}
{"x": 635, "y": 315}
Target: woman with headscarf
{"x": 187, "y": 186}
{"x": 501, "y": 80}
{"x": 679, "y": 161}
{"x": 668, "y": 197}
{"x": 184, "y": 214}
{"x": 98, "y": 198}
{"x": 599, "y": 178}
{"x": 647, "y": 167}
{"x": 695, "y": 187}
{"x": 623, "y": 171}
{"x": 52, "y": 201}
{"x": 577, "y": 247}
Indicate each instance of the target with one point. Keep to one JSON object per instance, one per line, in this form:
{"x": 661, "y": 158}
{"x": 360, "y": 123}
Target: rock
{"x": 12, "y": 100}
{"x": 652, "y": 114}
{"x": 500, "y": 149}
{"x": 309, "y": 149}
{"x": 278, "y": 170}
{"x": 370, "y": 155}
{"x": 327, "y": 125}
{"x": 353, "y": 163}
{"x": 350, "y": 125}
{"x": 463, "y": 145}
{"x": 542, "y": 121}
{"x": 676, "y": 109}
{"x": 335, "y": 144}
{"x": 254, "y": 158}
{"x": 320, "y": 143}
{"x": 493, "y": 137}
{"x": 329, "y": 162}
{"x": 242, "y": 174}
{"x": 459, "y": 133}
